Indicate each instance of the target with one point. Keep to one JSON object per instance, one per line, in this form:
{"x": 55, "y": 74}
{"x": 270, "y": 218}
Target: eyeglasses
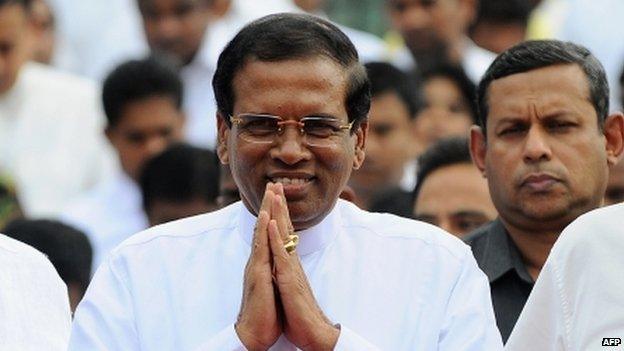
{"x": 264, "y": 129}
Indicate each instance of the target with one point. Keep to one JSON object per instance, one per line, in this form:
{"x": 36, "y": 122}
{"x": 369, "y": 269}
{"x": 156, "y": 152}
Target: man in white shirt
{"x": 576, "y": 303}
{"x": 50, "y": 123}
{"x": 34, "y": 308}
{"x": 435, "y": 32}
{"x": 143, "y": 104}
{"x": 239, "y": 278}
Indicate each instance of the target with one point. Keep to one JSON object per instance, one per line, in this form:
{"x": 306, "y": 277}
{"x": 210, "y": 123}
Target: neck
{"x": 534, "y": 245}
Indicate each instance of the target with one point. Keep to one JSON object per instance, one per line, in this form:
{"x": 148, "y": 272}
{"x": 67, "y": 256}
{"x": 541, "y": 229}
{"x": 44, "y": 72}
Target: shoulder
{"x": 409, "y": 232}
{"x": 479, "y": 236}
{"x": 186, "y": 229}
{"x": 25, "y": 258}
{"x": 45, "y": 78}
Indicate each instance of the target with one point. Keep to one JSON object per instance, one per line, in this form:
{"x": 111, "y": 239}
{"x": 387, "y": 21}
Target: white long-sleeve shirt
{"x": 391, "y": 283}
{"x": 578, "y": 299}
{"x": 34, "y": 305}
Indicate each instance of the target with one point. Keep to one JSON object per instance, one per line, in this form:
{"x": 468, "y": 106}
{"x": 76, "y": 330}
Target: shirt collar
{"x": 502, "y": 255}
{"x": 310, "y": 240}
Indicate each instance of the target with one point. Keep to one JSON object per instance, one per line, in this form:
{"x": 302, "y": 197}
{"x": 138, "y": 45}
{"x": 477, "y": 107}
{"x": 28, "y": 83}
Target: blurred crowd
{"x": 108, "y": 127}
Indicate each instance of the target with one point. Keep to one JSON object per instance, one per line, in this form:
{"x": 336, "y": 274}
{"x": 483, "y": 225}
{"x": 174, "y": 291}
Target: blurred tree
{"x": 367, "y": 15}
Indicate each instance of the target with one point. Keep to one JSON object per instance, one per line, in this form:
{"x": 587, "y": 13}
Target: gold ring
{"x": 291, "y": 242}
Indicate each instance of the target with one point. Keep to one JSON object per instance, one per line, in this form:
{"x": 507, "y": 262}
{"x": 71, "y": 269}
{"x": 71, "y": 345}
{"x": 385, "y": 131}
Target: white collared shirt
{"x": 108, "y": 214}
{"x": 392, "y": 284}
{"x": 578, "y": 298}
{"x": 51, "y": 138}
{"x": 34, "y": 305}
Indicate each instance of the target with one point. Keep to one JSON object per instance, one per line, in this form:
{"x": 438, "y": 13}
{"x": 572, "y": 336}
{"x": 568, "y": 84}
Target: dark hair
{"x": 460, "y": 78}
{"x": 24, "y": 3}
{"x": 139, "y": 79}
{"x": 504, "y": 12}
{"x": 287, "y": 36}
{"x": 445, "y": 152}
{"x": 535, "y": 54}
{"x": 67, "y": 248}
{"x": 386, "y": 78}
{"x": 180, "y": 173}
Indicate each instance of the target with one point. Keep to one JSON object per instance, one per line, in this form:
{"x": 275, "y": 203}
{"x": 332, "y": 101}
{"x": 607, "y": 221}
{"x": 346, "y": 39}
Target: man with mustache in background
{"x": 545, "y": 143}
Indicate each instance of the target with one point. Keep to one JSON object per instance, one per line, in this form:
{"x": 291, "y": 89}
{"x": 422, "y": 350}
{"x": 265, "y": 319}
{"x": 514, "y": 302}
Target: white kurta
{"x": 51, "y": 138}
{"x": 108, "y": 214}
{"x": 392, "y": 284}
{"x": 578, "y": 299}
{"x": 34, "y": 305}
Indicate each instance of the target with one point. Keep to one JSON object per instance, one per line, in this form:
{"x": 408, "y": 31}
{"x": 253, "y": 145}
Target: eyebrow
{"x": 469, "y": 213}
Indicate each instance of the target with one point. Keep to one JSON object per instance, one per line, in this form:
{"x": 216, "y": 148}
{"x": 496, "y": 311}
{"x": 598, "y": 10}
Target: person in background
{"x": 9, "y": 205}
{"x": 182, "y": 181}
{"x": 436, "y": 32}
{"x": 451, "y": 192}
{"x": 448, "y": 108}
{"x": 545, "y": 142}
{"x": 42, "y": 21}
{"x": 50, "y": 123}
{"x": 34, "y": 309}
{"x": 391, "y": 144}
{"x": 228, "y": 191}
{"x": 143, "y": 104}
{"x": 67, "y": 248}
{"x": 500, "y": 24}
{"x": 291, "y": 266}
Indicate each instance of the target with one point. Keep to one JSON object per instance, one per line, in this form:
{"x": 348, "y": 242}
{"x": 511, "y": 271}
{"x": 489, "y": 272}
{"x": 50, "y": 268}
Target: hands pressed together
{"x": 277, "y": 298}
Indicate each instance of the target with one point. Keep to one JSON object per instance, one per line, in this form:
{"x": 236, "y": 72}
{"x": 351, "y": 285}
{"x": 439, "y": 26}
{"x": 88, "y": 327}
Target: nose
{"x": 536, "y": 146}
{"x": 290, "y": 147}
{"x": 167, "y": 28}
{"x": 154, "y": 146}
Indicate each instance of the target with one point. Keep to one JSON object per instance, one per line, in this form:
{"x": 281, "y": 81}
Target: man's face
{"x": 446, "y": 112}
{"x": 615, "y": 187}
{"x": 15, "y": 43}
{"x": 146, "y": 127}
{"x": 455, "y": 198}
{"x": 175, "y": 27}
{"x": 388, "y": 145}
{"x": 313, "y": 176}
{"x": 545, "y": 157}
{"x": 427, "y": 25}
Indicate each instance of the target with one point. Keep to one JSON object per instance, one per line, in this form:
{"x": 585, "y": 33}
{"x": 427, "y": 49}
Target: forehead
{"x": 285, "y": 86}
{"x": 442, "y": 184}
{"x": 562, "y": 86}
{"x": 12, "y": 20}
{"x": 168, "y": 5}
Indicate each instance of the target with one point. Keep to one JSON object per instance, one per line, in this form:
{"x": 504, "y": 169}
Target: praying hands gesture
{"x": 277, "y": 297}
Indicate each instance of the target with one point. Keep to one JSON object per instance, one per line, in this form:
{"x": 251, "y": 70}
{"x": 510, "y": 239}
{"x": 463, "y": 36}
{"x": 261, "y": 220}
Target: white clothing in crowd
{"x": 34, "y": 305}
{"x": 51, "y": 137}
{"x": 475, "y": 61}
{"x": 391, "y": 283}
{"x": 108, "y": 214}
{"x": 577, "y": 301}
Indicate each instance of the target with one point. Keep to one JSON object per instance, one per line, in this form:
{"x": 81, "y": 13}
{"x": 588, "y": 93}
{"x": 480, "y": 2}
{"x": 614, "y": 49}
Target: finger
{"x": 279, "y": 253}
{"x": 260, "y": 245}
{"x": 282, "y": 216}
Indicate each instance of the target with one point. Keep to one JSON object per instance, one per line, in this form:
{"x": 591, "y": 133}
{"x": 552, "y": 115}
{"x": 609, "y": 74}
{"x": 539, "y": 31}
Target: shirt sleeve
{"x": 226, "y": 340}
{"x": 469, "y": 321}
{"x": 541, "y": 325}
{"x": 104, "y": 320}
{"x": 348, "y": 340}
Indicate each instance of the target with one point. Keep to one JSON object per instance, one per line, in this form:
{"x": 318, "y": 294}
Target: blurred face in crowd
{"x": 163, "y": 211}
{"x": 175, "y": 27}
{"x": 15, "y": 43}
{"x": 427, "y": 25}
{"x": 545, "y": 156}
{"x": 455, "y": 198}
{"x": 145, "y": 128}
{"x": 615, "y": 186}
{"x": 446, "y": 112}
{"x": 389, "y": 144}
{"x": 313, "y": 175}
{"x": 43, "y": 23}
{"x": 498, "y": 37}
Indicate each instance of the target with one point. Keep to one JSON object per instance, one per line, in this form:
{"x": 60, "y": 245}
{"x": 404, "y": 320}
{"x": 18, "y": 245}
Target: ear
{"x": 614, "y": 135}
{"x": 223, "y": 135}
{"x": 469, "y": 11}
{"x": 360, "y": 144}
{"x": 478, "y": 148}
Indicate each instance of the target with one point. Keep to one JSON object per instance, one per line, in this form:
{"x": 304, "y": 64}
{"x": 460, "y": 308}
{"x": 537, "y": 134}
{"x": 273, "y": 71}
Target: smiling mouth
{"x": 290, "y": 181}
